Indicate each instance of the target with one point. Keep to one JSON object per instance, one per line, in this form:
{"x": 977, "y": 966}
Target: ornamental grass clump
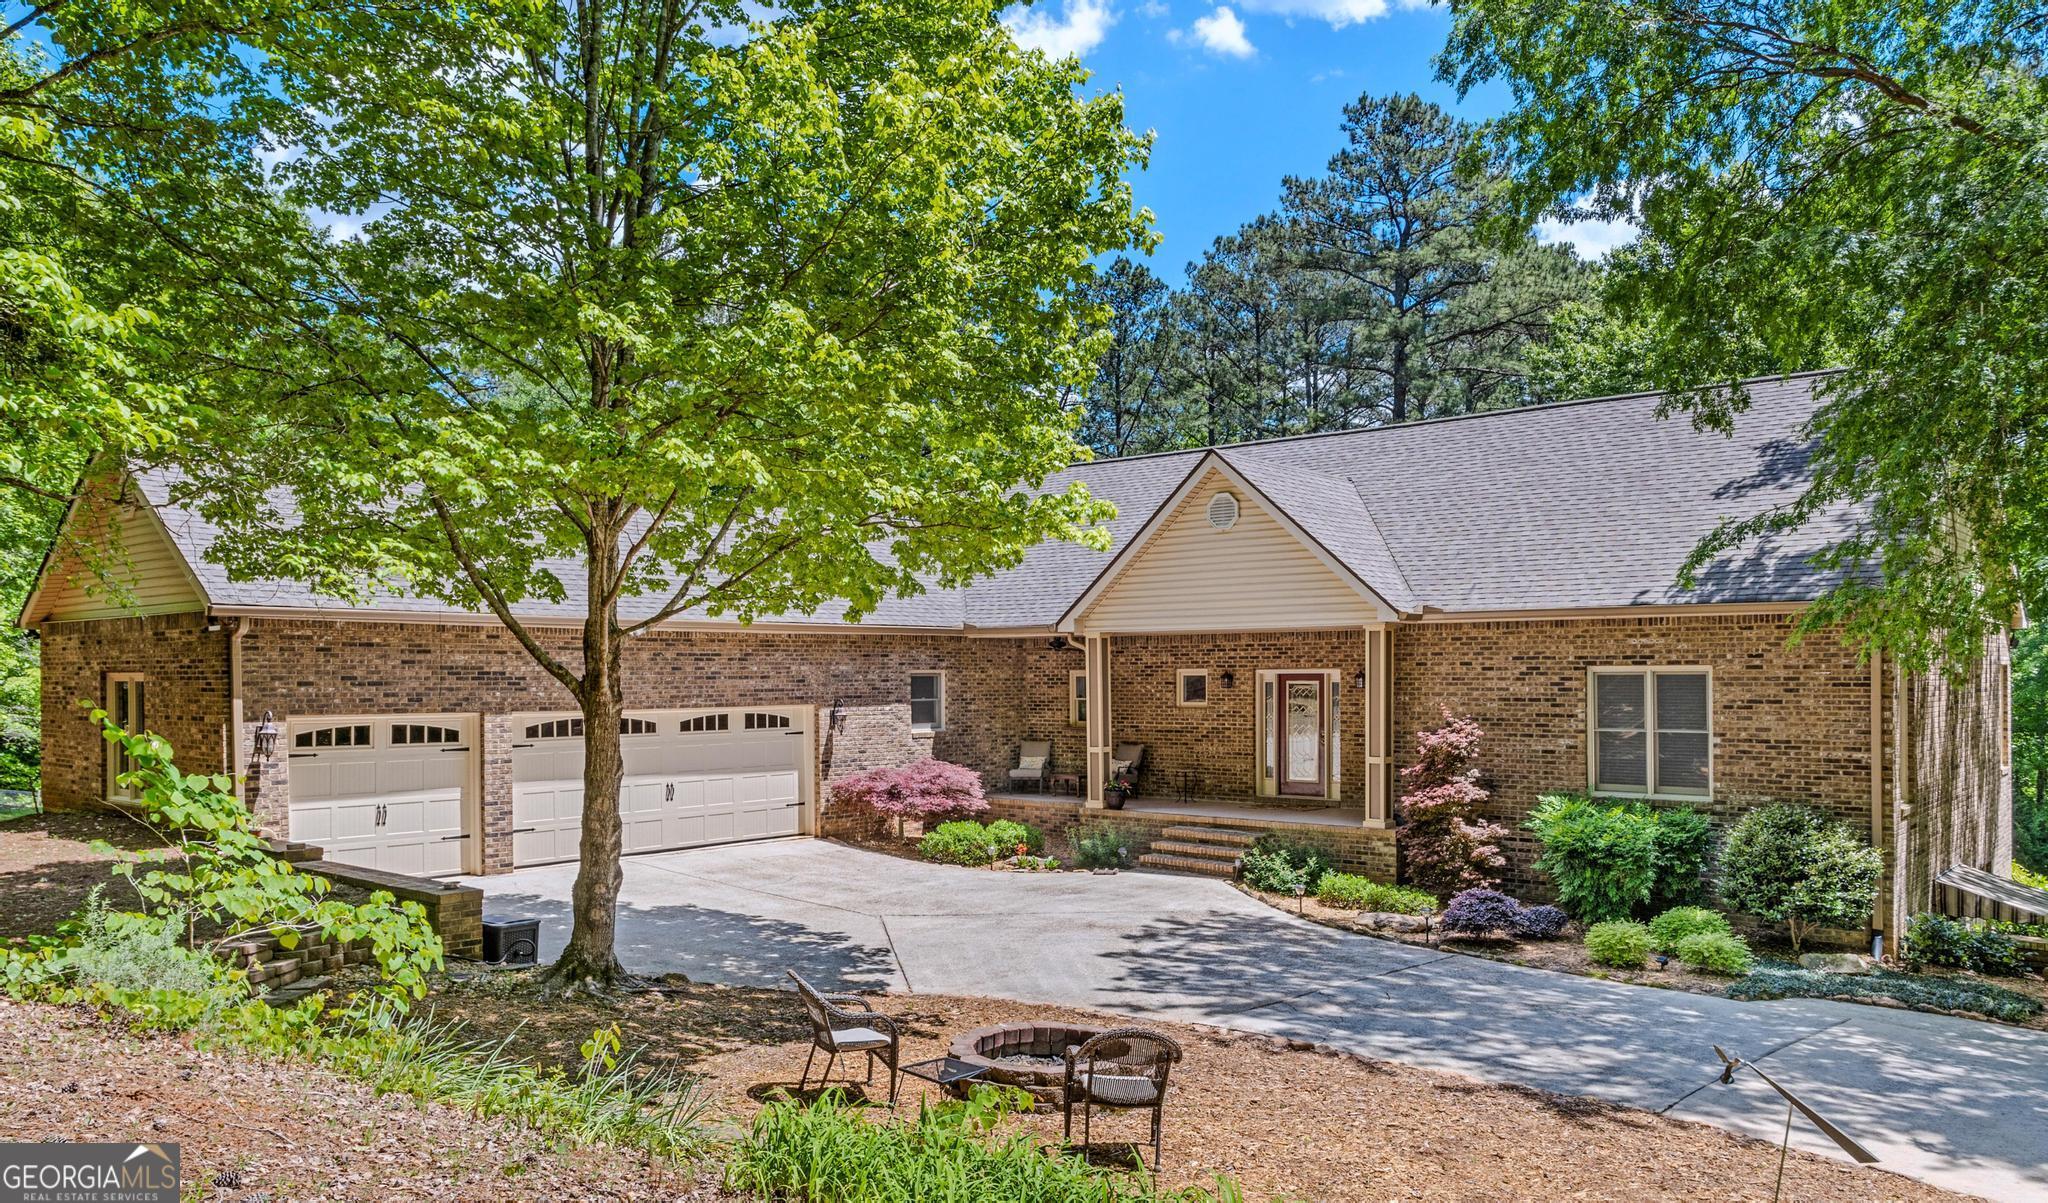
{"x": 1716, "y": 952}
{"x": 1618, "y": 943}
{"x": 1674, "y": 925}
{"x": 1444, "y": 845}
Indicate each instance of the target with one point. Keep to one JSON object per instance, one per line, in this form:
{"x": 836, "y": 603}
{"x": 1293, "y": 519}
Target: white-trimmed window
{"x": 1651, "y": 732}
{"x": 1191, "y": 687}
{"x": 927, "y": 701}
{"x": 1077, "y": 697}
{"x": 125, "y": 706}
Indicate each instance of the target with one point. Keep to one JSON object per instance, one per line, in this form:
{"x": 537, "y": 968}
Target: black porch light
{"x": 1358, "y": 679}
{"x": 1229, "y": 678}
{"x": 1058, "y": 643}
{"x": 266, "y": 736}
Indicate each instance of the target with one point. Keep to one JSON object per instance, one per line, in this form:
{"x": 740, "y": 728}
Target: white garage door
{"x": 691, "y": 777}
{"x": 386, "y": 793}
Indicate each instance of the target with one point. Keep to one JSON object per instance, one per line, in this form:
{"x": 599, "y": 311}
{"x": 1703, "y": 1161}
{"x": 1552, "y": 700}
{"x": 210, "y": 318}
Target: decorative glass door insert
{"x": 1302, "y": 742}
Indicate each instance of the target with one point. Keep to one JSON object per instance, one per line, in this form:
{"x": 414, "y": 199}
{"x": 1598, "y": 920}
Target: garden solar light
{"x": 1842, "y": 1139}
{"x": 1663, "y": 962}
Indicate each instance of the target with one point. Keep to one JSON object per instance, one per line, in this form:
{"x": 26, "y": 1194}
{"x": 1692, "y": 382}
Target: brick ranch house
{"x": 1273, "y": 623}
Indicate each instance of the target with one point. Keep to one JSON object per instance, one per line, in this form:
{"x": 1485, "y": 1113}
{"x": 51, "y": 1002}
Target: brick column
{"x": 494, "y": 755}
{"x": 267, "y": 789}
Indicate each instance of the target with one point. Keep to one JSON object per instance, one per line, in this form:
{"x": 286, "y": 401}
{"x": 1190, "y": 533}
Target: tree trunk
{"x": 590, "y": 959}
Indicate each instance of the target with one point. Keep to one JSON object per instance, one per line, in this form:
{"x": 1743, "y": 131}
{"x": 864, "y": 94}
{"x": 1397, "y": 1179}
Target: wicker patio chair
{"x": 847, "y": 1023}
{"x": 1034, "y": 763}
{"x": 1128, "y": 760}
{"x": 1123, "y": 1069}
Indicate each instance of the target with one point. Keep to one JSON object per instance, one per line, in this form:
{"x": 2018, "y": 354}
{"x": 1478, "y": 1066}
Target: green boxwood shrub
{"x": 1620, "y": 943}
{"x": 1006, "y": 834}
{"x": 1716, "y": 952}
{"x": 1355, "y": 893}
{"x": 1613, "y": 860}
{"x": 961, "y": 842}
{"x": 1667, "y": 929}
{"x": 1933, "y": 939}
{"x": 1280, "y": 865}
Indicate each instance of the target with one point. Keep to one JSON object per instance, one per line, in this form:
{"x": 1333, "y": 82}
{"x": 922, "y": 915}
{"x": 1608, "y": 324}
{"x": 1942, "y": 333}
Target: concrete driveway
{"x": 1955, "y": 1102}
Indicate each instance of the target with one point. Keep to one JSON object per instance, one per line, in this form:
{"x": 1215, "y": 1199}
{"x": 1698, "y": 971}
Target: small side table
{"x": 945, "y": 1072}
{"x": 1067, "y": 783}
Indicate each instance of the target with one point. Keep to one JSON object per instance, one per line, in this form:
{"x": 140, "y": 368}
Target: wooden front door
{"x": 1302, "y": 736}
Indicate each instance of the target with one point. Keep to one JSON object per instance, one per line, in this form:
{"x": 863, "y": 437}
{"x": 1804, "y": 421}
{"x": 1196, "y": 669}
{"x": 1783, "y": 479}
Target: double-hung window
{"x": 1077, "y": 697}
{"x": 927, "y": 701}
{"x": 1651, "y": 732}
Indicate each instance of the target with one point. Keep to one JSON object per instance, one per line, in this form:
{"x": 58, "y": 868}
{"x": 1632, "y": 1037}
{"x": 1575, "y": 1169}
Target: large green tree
{"x": 659, "y": 315}
{"x": 1402, "y": 231}
{"x": 1837, "y": 182}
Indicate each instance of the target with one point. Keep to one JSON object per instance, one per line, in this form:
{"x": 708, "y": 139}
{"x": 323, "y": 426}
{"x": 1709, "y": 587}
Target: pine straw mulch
{"x": 48, "y": 866}
{"x": 261, "y": 1132}
{"x": 1285, "y": 1121}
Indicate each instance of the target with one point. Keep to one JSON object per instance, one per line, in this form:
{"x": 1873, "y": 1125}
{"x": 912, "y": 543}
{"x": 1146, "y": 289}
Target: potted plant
{"x": 1122, "y": 784}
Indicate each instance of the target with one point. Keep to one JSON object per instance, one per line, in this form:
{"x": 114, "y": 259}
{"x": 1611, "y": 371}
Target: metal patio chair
{"x": 1123, "y": 1069}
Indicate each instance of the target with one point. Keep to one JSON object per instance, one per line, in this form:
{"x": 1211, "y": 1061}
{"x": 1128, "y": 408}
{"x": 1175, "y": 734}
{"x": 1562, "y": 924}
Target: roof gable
{"x": 1260, "y": 568}
{"x": 112, "y": 558}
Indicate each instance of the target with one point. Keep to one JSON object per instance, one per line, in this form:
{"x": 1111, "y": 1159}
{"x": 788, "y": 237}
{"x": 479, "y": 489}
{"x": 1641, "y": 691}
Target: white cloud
{"x": 1338, "y": 13}
{"x": 1222, "y": 33}
{"x": 1589, "y": 238}
{"x": 1153, "y": 10}
{"x": 1080, "y": 26}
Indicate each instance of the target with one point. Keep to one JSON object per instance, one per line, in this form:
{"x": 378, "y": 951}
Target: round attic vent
{"x": 1223, "y": 511}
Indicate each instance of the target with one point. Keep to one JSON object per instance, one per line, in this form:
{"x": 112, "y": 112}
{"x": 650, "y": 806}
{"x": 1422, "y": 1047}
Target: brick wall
{"x": 1790, "y": 723}
{"x": 185, "y": 696}
{"x": 304, "y": 668}
{"x": 1217, "y": 742}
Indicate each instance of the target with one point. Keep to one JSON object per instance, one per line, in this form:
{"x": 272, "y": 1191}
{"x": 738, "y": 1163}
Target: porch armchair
{"x": 1123, "y": 1069}
{"x": 847, "y": 1023}
{"x": 1034, "y": 763}
{"x": 1127, "y": 760}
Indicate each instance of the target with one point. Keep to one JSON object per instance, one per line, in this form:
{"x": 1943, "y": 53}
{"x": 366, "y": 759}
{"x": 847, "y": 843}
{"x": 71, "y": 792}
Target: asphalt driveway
{"x": 1952, "y": 1101}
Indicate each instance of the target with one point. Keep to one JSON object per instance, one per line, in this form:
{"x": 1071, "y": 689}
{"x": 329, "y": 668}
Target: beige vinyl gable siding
{"x": 142, "y": 572}
{"x": 1256, "y": 575}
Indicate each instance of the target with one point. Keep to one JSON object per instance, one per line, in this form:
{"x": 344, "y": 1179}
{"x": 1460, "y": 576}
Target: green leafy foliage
{"x": 1613, "y": 860}
{"x": 1008, "y": 835}
{"x": 1924, "y": 993}
{"x": 1282, "y": 865}
{"x": 1674, "y": 925}
{"x": 1845, "y": 183}
{"x": 829, "y": 1152}
{"x": 1933, "y": 939}
{"x": 213, "y": 872}
{"x": 122, "y": 951}
{"x": 960, "y": 842}
{"x": 1716, "y": 952}
{"x": 1353, "y": 892}
{"x": 2030, "y": 755}
{"x": 1101, "y": 847}
{"x": 1793, "y": 865}
{"x": 2027, "y": 877}
{"x": 1618, "y": 943}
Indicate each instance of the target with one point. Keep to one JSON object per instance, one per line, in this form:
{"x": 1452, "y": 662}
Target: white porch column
{"x": 1098, "y": 726}
{"x": 1379, "y": 726}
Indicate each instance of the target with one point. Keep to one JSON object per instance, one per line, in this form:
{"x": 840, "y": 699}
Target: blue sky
{"x": 1243, "y": 93}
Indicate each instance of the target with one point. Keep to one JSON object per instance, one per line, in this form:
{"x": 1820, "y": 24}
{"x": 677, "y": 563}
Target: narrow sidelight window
{"x": 927, "y": 701}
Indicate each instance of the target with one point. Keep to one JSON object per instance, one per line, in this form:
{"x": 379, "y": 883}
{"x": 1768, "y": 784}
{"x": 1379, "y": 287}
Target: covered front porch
{"x": 1261, "y": 813}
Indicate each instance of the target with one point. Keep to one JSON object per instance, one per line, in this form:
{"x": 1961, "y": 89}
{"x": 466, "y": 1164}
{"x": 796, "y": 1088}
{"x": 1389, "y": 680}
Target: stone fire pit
{"x": 1028, "y": 1055}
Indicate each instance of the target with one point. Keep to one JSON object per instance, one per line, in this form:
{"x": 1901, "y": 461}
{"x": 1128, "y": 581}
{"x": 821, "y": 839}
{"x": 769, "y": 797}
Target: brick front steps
{"x": 1198, "y": 848}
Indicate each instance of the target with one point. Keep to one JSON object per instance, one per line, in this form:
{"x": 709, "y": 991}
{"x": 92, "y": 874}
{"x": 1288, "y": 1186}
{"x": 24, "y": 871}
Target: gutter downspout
{"x": 238, "y": 763}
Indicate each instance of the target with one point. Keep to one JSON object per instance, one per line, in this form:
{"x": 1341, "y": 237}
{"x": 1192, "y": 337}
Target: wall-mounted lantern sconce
{"x": 266, "y": 736}
{"x": 838, "y": 713}
{"x": 1229, "y": 678}
{"x": 1059, "y": 643}
{"x": 1358, "y": 679}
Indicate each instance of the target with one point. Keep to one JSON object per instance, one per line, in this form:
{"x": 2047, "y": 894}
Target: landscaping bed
{"x": 255, "y": 1130}
{"x": 48, "y": 865}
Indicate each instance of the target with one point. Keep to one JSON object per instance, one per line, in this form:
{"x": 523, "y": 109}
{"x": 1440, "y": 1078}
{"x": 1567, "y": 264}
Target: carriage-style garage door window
{"x": 1651, "y": 732}
{"x": 927, "y": 701}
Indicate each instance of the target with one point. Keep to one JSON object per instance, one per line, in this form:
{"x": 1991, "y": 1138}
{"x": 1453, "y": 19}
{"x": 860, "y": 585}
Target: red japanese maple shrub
{"x": 1445, "y": 847}
{"x": 928, "y": 789}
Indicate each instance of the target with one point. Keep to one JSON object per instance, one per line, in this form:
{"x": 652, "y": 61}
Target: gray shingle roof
{"x": 1580, "y": 505}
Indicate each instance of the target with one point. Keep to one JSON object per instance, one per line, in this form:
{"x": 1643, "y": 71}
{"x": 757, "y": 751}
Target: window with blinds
{"x": 1652, "y": 732}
